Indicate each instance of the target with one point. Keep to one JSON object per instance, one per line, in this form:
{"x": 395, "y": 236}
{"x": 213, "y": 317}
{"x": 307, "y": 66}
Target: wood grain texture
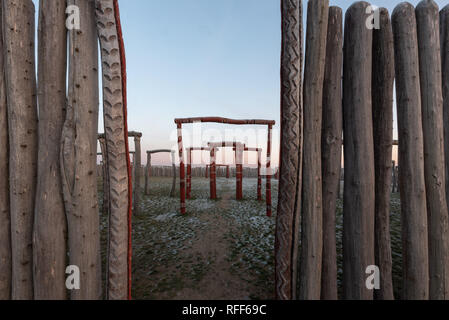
{"x": 19, "y": 60}
{"x": 312, "y": 206}
{"x": 358, "y": 209}
{"x": 5, "y": 214}
{"x": 382, "y": 96}
{"x": 444, "y": 43}
{"x": 427, "y": 18}
{"x": 286, "y": 243}
{"x": 331, "y": 146}
{"x": 78, "y": 154}
{"x": 114, "y": 121}
{"x": 50, "y": 224}
{"x": 411, "y": 155}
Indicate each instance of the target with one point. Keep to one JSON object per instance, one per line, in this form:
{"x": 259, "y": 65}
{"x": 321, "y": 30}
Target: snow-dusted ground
{"x": 221, "y": 249}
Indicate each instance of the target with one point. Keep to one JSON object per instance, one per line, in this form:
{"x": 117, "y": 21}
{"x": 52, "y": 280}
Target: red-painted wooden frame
{"x": 180, "y": 122}
{"x": 227, "y": 166}
{"x": 189, "y": 168}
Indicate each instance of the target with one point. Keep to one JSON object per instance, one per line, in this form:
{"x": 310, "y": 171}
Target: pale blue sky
{"x": 191, "y": 58}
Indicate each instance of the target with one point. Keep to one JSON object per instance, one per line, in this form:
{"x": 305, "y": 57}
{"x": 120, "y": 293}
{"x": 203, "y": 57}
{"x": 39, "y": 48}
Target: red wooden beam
{"x": 225, "y": 121}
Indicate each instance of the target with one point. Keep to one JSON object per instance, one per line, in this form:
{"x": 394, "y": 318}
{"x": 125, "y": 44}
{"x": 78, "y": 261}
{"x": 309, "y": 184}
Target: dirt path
{"x": 218, "y": 283}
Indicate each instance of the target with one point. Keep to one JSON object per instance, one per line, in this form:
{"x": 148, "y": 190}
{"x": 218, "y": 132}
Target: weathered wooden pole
{"x": 189, "y": 173}
{"x": 239, "y": 170}
{"x": 444, "y": 43}
{"x": 427, "y": 18}
{"x": 5, "y": 215}
{"x": 147, "y": 174}
{"x": 19, "y": 65}
{"x": 382, "y": 96}
{"x": 78, "y": 154}
{"x": 50, "y": 223}
{"x": 173, "y": 187}
{"x": 393, "y": 184}
{"x": 182, "y": 181}
{"x": 259, "y": 174}
{"x": 289, "y": 196}
{"x": 104, "y": 154}
{"x": 137, "y": 189}
{"x": 119, "y": 174}
{"x": 331, "y": 143}
{"x": 358, "y": 222}
{"x": 213, "y": 174}
{"x": 312, "y": 214}
{"x": 411, "y": 155}
{"x": 268, "y": 175}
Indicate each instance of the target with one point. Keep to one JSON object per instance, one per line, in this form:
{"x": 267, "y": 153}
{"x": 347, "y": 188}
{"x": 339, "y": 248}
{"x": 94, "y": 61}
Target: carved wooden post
{"x": 427, "y": 18}
{"x": 312, "y": 215}
{"x": 147, "y": 174}
{"x": 78, "y": 154}
{"x": 19, "y": 64}
{"x": 137, "y": 172}
{"x": 189, "y": 172}
{"x": 182, "y": 182}
{"x": 49, "y": 235}
{"x": 331, "y": 143}
{"x": 411, "y": 155}
{"x": 358, "y": 224}
{"x": 287, "y": 219}
{"x": 173, "y": 187}
{"x": 213, "y": 175}
{"x": 444, "y": 42}
{"x": 5, "y": 214}
{"x": 382, "y": 96}
{"x": 259, "y": 174}
{"x": 116, "y": 133}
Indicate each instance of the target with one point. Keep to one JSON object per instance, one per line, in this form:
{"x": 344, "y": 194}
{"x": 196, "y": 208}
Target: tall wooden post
{"x": 189, "y": 172}
{"x": 213, "y": 175}
{"x": 182, "y": 181}
{"x": 444, "y": 43}
{"x": 137, "y": 173}
{"x": 118, "y": 162}
{"x": 19, "y": 64}
{"x": 5, "y": 214}
{"x": 358, "y": 222}
{"x": 312, "y": 214}
{"x": 50, "y": 224}
{"x": 331, "y": 143}
{"x": 173, "y": 187}
{"x": 147, "y": 174}
{"x": 259, "y": 174}
{"x": 427, "y": 18}
{"x": 239, "y": 170}
{"x": 382, "y": 95}
{"x": 411, "y": 155}
{"x": 78, "y": 154}
{"x": 269, "y": 174}
{"x": 289, "y": 196}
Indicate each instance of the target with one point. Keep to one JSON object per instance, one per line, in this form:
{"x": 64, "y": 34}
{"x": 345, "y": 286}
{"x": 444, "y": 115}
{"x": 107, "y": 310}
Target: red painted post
{"x": 259, "y": 176}
{"x": 239, "y": 171}
{"x": 213, "y": 175}
{"x": 189, "y": 173}
{"x": 182, "y": 181}
{"x": 268, "y": 175}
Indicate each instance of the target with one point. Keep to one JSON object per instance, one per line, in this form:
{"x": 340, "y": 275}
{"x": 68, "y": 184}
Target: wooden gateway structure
{"x": 182, "y": 174}
{"x": 148, "y": 170}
